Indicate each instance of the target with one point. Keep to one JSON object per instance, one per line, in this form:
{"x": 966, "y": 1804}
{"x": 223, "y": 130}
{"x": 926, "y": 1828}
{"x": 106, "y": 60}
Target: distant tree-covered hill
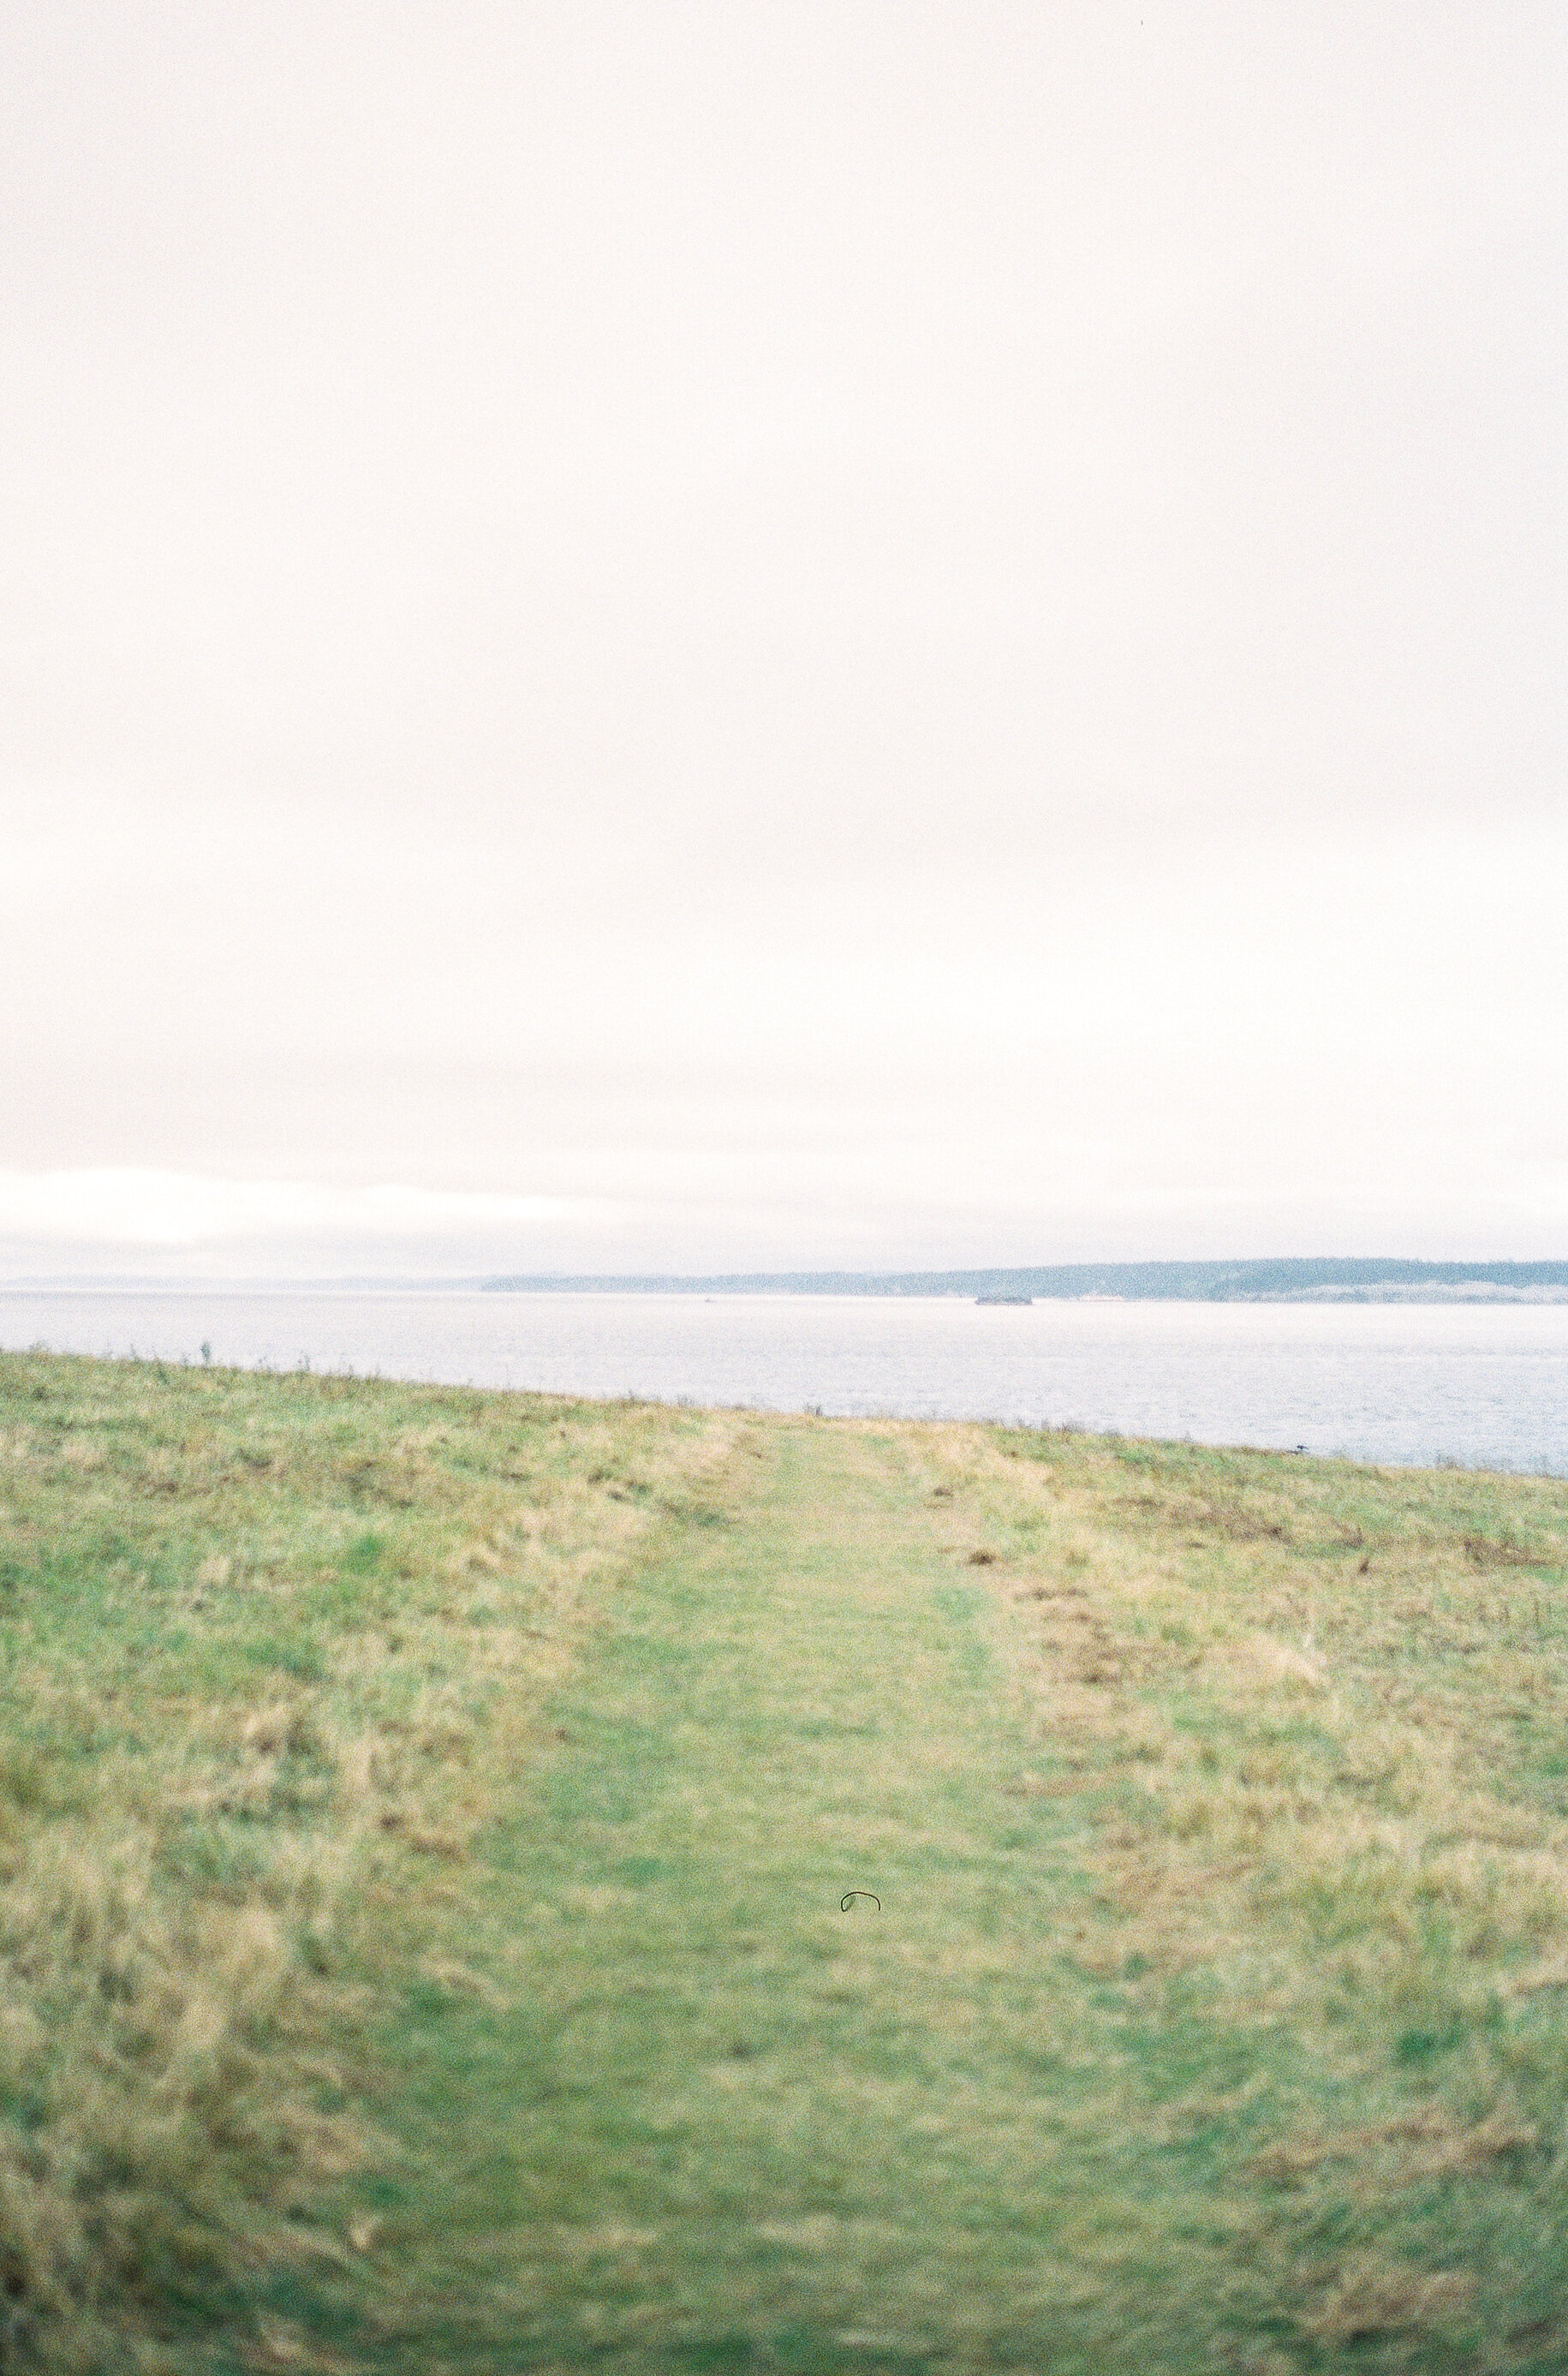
{"x": 1313, "y": 1279}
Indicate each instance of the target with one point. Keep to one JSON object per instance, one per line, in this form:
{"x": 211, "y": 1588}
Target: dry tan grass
{"x": 1279, "y": 1694}
{"x": 159, "y": 2045}
{"x": 1368, "y": 2297}
{"x": 1428, "y": 2142}
{"x": 210, "y": 1866}
{"x": 1109, "y": 1627}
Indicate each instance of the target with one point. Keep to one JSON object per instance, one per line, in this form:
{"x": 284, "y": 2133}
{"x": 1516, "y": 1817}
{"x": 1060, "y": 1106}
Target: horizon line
{"x": 1160, "y": 1278}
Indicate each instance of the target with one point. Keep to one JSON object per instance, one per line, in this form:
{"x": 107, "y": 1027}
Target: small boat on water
{"x": 1005, "y": 1299}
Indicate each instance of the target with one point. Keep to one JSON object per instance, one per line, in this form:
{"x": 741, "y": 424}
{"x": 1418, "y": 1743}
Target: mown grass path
{"x": 689, "y": 2113}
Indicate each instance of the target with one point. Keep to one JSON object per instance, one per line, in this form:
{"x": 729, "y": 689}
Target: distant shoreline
{"x": 1316, "y": 1279}
{"x": 1361, "y": 1280}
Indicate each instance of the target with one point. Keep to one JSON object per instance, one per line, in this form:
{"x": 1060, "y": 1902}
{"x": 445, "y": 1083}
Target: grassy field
{"x": 426, "y": 1819}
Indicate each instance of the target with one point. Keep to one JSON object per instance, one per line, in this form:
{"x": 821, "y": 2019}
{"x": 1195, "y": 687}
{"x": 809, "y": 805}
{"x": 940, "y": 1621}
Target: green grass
{"x": 426, "y": 1822}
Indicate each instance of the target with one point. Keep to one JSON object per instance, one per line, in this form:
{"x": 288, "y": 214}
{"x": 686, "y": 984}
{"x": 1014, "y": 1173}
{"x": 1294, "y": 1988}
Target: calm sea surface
{"x": 1482, "y": 1384}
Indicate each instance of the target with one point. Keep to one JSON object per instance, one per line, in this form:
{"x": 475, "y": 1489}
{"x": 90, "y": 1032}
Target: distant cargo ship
{"x": 1005, "y": 1299}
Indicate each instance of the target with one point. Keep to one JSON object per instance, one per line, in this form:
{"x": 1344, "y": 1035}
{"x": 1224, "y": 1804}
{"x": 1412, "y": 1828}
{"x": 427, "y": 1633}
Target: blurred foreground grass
{"x": 424, "y": 1819}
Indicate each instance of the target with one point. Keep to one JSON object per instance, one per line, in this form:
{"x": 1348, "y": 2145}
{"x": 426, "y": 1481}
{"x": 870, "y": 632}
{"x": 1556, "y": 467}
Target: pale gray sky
{"x": 675, "y": 636}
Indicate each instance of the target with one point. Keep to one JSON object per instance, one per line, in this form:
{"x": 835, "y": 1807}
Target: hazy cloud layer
{"x": 779, "y": 636}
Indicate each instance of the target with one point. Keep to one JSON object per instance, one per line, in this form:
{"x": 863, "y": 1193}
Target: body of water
{"x": 1485, "y": 1385}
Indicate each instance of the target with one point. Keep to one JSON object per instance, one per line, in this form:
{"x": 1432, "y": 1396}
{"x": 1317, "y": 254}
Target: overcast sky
{"x": 680, "y": 636}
